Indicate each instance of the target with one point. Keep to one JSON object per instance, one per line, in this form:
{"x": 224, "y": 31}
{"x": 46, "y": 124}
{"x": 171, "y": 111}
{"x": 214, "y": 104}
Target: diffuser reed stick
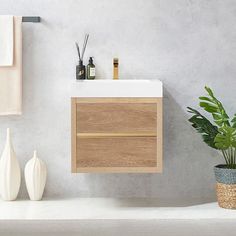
{"x": 81, "y": 56}
{"x": 77, "y": 46}
{"x": 85, "y": 44}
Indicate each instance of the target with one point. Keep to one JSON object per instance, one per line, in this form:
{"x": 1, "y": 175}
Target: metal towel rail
{"x": 33, "y": 19}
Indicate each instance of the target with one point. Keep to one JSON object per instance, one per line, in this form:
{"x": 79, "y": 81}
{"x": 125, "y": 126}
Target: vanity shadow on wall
{"x": 117, "y": 126}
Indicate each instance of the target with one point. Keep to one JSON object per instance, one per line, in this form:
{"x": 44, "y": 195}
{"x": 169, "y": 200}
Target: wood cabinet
{"x": 116, "y": 135}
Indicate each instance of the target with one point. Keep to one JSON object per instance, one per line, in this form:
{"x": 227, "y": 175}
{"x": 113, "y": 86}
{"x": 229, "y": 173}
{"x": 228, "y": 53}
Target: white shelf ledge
{"x": 106, "y": 208}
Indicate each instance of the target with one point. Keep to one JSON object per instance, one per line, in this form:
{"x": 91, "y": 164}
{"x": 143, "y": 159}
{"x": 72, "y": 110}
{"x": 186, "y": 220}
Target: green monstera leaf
{"x": 204, "y": 127}
{"x": 234, "y": 121}
{"x": 226, "y": 138}
{"x": 212, "y": 105}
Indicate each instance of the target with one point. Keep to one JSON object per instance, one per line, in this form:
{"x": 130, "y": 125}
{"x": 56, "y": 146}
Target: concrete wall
{"x": 185, "y": 43}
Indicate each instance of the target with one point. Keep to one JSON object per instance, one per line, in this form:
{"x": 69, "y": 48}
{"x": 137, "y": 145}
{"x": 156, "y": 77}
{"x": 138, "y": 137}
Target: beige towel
{"x": 11, "y": 77}
{"x": 6, "y": 40}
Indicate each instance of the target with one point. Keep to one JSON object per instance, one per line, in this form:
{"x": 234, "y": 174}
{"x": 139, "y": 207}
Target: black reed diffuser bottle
{"x": 80, "y": 69}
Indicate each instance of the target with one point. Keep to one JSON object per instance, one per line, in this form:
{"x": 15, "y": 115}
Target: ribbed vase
{"x": 35, "y": 177}
{"x": 10, "y": 175}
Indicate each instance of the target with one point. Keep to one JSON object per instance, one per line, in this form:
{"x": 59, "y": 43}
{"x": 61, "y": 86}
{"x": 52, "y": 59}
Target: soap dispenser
{"x": 91, "y": 71}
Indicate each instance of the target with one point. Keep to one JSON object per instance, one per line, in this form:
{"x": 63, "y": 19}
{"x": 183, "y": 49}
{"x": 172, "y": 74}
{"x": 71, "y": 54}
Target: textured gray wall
{"x": 185, "y": 43}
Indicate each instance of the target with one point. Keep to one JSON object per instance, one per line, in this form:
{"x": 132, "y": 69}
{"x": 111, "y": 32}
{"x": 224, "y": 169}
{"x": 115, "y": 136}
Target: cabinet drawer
{"x": 117, "y": 152}
{"x": 116, "y": 135}
{"x": 116, "y": 117}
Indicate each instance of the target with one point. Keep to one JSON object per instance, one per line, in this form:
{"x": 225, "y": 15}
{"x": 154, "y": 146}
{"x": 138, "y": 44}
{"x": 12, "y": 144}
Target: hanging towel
{"x": 11, "y": 76}
{"x": 6, "y": 40}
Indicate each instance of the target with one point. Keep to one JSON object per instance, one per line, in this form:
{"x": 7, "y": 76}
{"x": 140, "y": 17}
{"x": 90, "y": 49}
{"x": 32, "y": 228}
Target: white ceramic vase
{"x": 35, "y": 177}
{"x": 10, "y": 175}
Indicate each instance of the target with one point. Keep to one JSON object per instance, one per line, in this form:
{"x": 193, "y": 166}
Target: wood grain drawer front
{"x": 116, "y": 135}
{"x": 116, "y": 117}
{"x": 117, "y": 152}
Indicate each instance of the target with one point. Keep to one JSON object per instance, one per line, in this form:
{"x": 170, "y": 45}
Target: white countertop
{"x": 117, "y": 88}
{"x": 107, "y": 208}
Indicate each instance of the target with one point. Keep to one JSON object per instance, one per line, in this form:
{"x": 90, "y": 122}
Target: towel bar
{"x": 34, "y": 19}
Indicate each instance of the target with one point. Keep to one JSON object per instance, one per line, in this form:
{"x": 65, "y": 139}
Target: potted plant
{"x": 221, "y": 136}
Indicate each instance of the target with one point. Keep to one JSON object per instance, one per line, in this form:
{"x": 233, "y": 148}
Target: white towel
{"x": 11, "y": 76}
{"x": 6, "y": 40}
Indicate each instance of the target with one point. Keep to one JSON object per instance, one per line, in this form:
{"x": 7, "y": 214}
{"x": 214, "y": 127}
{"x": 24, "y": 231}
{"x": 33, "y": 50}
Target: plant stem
{"x": 231, "y": 157}
{"x": 228, "y": 156}
{"x": 225, "y": 157}
{"x": 234, "y": 154}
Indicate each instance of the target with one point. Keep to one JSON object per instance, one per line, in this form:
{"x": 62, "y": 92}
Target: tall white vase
{"x": 10, "y": 176}
{"x": 35, "y": 177}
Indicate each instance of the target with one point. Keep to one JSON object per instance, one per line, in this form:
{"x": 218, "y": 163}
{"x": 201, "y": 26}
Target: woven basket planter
{"x": 226, "y": 195}
{"x": 225, "y": 186}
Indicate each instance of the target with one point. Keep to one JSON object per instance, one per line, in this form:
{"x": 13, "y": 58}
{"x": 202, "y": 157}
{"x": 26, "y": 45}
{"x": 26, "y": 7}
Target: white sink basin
{"x": 117, "y": 88}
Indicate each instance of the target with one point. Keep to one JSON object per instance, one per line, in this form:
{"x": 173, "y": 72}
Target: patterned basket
{"x": 226, "y": 195}
{"x": 224, "y": 175}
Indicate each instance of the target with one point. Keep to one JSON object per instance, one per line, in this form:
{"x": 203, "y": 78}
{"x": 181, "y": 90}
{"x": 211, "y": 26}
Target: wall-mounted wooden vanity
{"x": 115, "y": 131}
